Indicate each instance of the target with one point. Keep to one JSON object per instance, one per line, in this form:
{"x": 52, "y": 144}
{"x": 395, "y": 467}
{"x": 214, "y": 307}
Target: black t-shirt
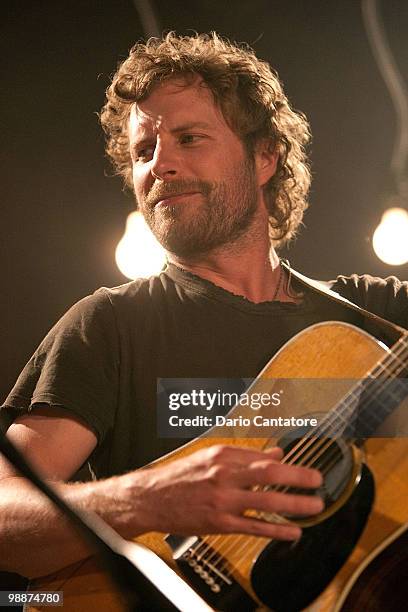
{"x": 101, "y": 361}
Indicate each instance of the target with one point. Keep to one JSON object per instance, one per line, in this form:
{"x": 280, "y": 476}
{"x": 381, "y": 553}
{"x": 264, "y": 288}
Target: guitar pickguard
{"x": 288, "y": 577}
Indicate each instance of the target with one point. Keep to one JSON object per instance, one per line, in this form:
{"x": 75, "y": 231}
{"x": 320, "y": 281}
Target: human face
{"x": 193, "y": 180}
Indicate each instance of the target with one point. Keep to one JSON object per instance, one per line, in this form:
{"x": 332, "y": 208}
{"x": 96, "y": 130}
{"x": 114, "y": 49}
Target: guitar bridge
{"x": 202, "y": 559}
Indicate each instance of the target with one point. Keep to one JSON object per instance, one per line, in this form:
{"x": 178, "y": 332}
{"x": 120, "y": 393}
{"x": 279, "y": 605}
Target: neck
{"x": 250, "y": 268}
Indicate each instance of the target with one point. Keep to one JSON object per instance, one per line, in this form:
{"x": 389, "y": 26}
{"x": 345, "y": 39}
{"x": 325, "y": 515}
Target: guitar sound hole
{"x": 334, "y": 458}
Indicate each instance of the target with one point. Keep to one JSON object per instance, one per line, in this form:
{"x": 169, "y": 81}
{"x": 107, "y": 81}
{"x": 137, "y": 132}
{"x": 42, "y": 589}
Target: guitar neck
{"x": 374, "y": 398}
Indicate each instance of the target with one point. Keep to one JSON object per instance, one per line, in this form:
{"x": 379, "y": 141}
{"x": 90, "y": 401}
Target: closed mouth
{"x": 174, "y": 195}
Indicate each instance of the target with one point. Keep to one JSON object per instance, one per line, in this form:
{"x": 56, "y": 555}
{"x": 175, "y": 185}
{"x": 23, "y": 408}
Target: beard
{"x": 223, "y": 214}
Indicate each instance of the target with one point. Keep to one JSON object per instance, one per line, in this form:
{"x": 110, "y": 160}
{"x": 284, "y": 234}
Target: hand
{"x": 210, "y": 490}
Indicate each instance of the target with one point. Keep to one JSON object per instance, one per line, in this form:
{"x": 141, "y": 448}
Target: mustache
{"x": 174, "y": 188}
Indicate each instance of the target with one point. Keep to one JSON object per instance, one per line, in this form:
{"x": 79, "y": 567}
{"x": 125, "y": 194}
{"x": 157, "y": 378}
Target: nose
{"x": 165, "y": 161}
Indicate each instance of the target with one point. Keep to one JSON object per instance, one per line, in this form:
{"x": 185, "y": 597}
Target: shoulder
{"x": 106, "y": 300}
{"x": 139, "y": 290}
{"x": 386, "y": 297}
{"x": 364, "y": 287}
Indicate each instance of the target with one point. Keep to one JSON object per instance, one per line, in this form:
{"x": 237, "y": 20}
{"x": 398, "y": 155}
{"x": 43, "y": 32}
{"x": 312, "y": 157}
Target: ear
{"x": 266, "y": 160}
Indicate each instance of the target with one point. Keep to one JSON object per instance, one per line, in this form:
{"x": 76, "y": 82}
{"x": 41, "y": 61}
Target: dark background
{"x": 62, "y": 216}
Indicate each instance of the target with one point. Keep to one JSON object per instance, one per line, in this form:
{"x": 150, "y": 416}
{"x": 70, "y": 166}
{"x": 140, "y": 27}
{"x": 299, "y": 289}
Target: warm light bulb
{"x": 390, "y": 239}
{"x": 138, "y": 253}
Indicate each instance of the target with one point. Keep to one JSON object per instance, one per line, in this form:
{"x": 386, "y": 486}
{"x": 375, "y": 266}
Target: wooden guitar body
{"x": 314, "y": 574}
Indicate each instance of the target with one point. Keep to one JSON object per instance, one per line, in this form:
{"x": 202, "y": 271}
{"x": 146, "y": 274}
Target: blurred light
{"x": 390, "y": 239}
{"x": 138, "y": 253}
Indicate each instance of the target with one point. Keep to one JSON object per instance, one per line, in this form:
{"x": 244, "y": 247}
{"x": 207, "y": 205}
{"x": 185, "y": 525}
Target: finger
{"x": 251, "y": 526}
{"x": 275, "y": 453}
{"x": 266, "y": 473}
{"x": 266, "y": 501}
{"x": 239, "y": 455}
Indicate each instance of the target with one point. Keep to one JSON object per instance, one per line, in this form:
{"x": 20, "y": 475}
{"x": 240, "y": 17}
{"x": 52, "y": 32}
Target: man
{"x": 203, "y": 133}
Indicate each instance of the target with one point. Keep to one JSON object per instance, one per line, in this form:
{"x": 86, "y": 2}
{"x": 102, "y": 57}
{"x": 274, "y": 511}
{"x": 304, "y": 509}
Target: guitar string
{"x": 382, "y": 365}
{"x": 400, "y": 367}
{"x": 213, "y": 538}
{"x": 324, "y": 463}
{"x": 241, "y": 547}
{"x": 324, "y": 467}
{"x": 327, "y": 444}
{"x": 327, "y": 466}
{"x": 247, "y": 547}
{"x": 232, "y": 547}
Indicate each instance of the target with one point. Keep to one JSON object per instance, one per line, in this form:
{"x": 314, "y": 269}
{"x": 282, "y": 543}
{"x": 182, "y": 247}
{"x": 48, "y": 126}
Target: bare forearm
{"x": 36, "y": 539}
{"x": 208, "y": 492}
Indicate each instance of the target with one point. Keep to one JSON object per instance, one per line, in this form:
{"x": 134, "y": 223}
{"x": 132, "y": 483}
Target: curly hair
{"x": 252, "y": 101}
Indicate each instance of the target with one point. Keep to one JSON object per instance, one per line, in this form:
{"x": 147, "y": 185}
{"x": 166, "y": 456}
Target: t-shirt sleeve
{"x": 385, "y": 297}
{"x": 75, "y": 367}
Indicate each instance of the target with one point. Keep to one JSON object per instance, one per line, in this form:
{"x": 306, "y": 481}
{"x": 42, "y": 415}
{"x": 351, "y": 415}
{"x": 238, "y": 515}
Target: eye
{"x": 189, "y": 138}
{"x": 144, "y": 153}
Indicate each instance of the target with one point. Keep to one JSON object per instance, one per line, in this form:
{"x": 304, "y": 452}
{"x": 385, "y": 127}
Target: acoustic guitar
{"x": 354, "y": 387}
